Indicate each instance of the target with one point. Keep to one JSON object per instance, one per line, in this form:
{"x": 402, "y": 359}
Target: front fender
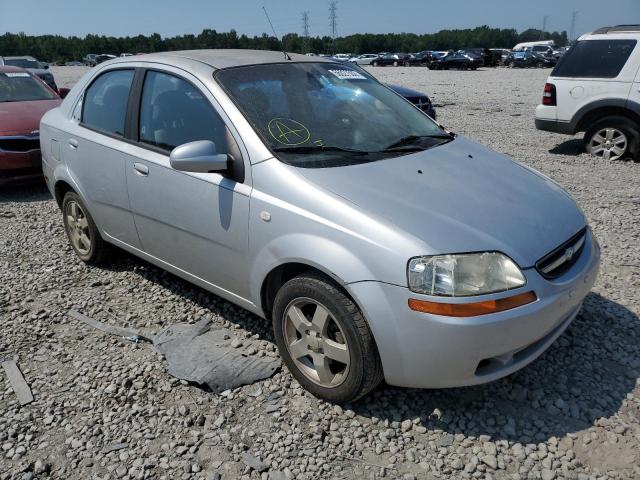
{"x": 321, "y": 253}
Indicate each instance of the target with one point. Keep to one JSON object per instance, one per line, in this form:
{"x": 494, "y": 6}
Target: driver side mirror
{"x": 200, "y": 156}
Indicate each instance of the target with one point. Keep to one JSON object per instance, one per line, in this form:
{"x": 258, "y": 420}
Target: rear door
{"x": 594, "y": 70}
{"x": 95, "y": 152}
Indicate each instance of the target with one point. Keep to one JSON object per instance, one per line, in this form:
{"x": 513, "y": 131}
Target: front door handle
{"x": 141, "y": 169}
{"x": 73, "y": 143}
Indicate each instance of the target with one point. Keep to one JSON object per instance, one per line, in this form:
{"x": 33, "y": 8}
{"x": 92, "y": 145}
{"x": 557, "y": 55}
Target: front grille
{"x": 557, "y": 262}
{"x": 19, "y": 144}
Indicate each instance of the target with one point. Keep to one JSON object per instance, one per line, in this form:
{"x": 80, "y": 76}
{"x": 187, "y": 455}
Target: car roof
{"x": 222, "y": 58}
{"x": 9, "y": 69}
{"x": 19, "y": 57}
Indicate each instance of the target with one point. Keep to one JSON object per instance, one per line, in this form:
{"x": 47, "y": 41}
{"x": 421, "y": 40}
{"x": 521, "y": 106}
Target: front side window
{"x": 325, "y": 114}
{"x": 105, "y": 102}
{"x": 173, "y": 112}
{"x": 22, "y": 87}
{"x": 595, "y": 58}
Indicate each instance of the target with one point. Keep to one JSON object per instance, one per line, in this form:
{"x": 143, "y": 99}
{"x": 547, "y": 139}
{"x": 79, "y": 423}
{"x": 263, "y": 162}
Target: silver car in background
{"x": 378, "y": 244}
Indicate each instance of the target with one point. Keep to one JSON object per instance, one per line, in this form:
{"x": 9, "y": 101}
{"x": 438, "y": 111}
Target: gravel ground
{"x": 105, "y": 407}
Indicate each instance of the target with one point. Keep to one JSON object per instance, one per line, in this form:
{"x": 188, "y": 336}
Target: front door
{"x": 196, "y": 222}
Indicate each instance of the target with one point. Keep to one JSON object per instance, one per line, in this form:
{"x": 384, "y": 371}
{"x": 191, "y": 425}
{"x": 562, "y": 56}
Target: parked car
{"x": 364, "y": 59}
{"x": 498, "y": 55}
{"x": 24, "y": 98}
{"x": 36, "y": 67}
{"x": 419, "y": 59}
{"x": 90, "y": 59}
{"x": 419, "y": 99}
{"x": 592, "y": 90}
{"x": 483, "y": 53}
{"x": 378, "y": 244}
{"x": 527, "y": 59}
{"x": 104, "y": 58}
{"x": 73, "y": 64}
{"x": 393, "y": 59}
{"x": 457, "y": 60}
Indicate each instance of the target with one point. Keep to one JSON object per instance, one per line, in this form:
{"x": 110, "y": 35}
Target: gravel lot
{"x": 105, "y": 407}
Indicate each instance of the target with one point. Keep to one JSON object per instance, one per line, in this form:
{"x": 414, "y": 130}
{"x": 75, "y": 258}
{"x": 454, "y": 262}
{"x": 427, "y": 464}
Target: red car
{"x": 24, "y": 99}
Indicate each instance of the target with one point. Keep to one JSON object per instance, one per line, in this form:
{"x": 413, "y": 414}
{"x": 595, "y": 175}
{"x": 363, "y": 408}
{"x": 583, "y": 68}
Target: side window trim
{"x": 83, "y": 96}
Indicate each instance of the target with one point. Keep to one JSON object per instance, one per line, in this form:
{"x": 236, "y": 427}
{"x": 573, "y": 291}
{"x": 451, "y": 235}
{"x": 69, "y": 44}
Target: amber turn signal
{"x": 472, "y": 309}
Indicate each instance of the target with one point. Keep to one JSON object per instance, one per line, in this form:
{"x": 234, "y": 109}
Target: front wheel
{"x": 395, "y": 63}
{"x": 324, "y": 340}
{"x": 81, "y": 230}
{"x": 612, "y": 138}
{"x": 375, "y": 64}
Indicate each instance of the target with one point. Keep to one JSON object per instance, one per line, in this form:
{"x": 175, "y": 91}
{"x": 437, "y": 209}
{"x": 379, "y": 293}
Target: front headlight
{"x": 464, "y": 274}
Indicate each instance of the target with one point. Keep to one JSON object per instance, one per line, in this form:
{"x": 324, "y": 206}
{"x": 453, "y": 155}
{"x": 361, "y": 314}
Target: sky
{"x": 177, "y": 17}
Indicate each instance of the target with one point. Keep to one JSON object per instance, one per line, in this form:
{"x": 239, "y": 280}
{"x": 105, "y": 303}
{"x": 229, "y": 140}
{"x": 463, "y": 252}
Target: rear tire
{"x": 81, "y": 231}
{"x": 324, "y": 339}
{"x": 613, "y": 138}
{"x": 375, "y": 64}
{"x": 395, "y": 63}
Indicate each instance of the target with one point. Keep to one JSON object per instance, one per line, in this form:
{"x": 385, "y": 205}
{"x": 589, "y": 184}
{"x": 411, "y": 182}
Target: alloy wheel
{"x": 608, "y": 143}
{"x": 78, "y": 227}
{"x": 316, "y": 342}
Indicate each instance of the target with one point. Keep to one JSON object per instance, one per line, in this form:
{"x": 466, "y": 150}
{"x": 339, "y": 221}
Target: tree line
{"x": 56, "y": 48}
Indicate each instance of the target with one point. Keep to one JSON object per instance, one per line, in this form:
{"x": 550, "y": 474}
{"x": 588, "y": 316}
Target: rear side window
{"x": 173, "y": 112}
{"x": 105, "y": 102}
{"x": 595, "y": 58}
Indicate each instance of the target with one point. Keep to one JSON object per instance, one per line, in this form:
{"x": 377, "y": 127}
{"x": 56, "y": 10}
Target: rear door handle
{"x": 73, "y": 143}
{"x": 141, "y": 169}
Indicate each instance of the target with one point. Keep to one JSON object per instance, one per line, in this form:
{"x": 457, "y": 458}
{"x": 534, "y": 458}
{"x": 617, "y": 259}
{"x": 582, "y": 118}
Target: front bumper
{"x": 431, "y": 351}
{"x": 19, "y": 167}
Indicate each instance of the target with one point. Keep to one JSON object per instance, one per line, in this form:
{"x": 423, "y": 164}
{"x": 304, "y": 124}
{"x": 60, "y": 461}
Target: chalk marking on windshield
{"x": 288, "y": 131}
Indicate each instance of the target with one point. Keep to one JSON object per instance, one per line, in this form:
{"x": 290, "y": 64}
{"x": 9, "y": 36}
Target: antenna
{"x": 286, "y": 55}
{"x": 305, "y": 30}
{"x": 333, "y": 23}
{"x": 572, "y": 30}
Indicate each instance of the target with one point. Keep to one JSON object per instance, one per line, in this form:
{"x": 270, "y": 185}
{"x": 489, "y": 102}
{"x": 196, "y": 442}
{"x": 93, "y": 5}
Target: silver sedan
{"x": 377, "y": 243}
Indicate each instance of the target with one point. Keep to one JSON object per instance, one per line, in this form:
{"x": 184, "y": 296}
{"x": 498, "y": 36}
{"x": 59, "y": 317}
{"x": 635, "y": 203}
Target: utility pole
{"x": 333, "y": 23}
{"x": 572, "y": 30}
{"x": 305, "y": 31}
{"x": 544, "y": 26}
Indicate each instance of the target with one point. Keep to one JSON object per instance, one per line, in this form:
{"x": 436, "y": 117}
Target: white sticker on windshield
{"x": 348, "y": 75}
{"x": 16, "y": 74}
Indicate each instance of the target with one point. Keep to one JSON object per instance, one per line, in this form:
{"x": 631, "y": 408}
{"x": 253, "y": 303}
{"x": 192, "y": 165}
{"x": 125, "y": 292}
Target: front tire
{"x": 324, "y": 340}
{"x": 81, "y": 230}
{"x": 613, "y": 138}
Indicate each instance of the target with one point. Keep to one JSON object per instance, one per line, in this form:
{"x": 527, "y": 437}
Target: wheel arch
{"x": 591, "y": 113}
{"x": 282, "y": 273}
{"x": 61, "y": 188}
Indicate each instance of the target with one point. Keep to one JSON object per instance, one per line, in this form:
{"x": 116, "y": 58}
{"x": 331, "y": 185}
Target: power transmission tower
{"x": 305, "y": 31}
{"x": 572, "y": 30}
{"x": 544, "y": 26}
{"x": 333, "y": 23}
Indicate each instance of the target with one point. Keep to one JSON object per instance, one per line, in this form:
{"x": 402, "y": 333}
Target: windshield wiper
{"x": 410, "y": 139}
{"x": 319, "y": 149}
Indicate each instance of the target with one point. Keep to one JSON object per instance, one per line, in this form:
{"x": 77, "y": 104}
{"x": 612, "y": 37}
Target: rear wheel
{"x": 395, "y": 63}
{"x": 324, "y": 340}
{"x": 374, "y": 63}
{"x": 82, "y": 231}
{"x": 612, "y": 138}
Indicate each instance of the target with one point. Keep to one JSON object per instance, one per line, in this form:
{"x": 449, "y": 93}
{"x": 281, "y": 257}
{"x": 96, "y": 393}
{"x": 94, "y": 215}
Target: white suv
{"x": 595, "y": 88}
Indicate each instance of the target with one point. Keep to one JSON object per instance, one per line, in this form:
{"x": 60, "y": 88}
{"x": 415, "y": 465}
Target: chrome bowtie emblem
{"x": 568, "y": 253}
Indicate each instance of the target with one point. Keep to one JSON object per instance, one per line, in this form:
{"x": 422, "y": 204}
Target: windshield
{"x": 21, "y": 62}
{"x": 21, "y": 87}
{"x": 327, "y": 114}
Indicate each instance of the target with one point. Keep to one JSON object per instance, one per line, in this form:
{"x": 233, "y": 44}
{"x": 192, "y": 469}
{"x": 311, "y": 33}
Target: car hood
{"x": 405, "y": 92}
{"x": 23, "y": 118}
{"x": 467, "y": 198}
